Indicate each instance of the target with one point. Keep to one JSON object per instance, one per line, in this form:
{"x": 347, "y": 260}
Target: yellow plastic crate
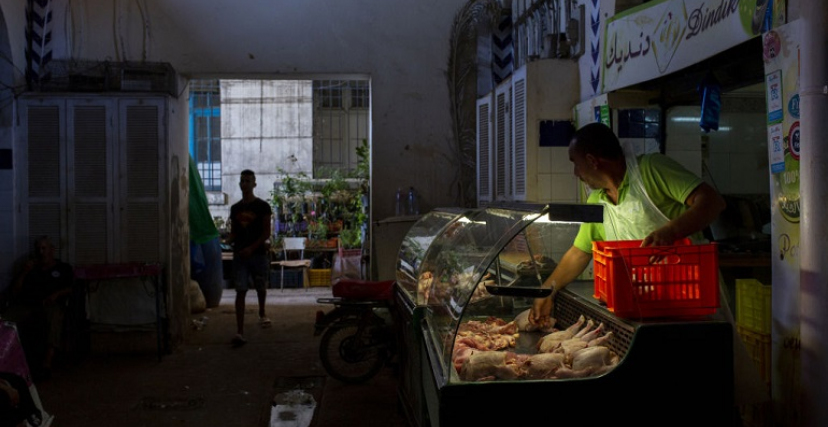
{"x": 753, "y": 305}
{"x": 759, "y": 348}
{"x": 319, "y": 277}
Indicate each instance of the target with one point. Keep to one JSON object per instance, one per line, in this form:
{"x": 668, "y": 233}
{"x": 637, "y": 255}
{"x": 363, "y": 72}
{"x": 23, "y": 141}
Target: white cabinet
{"x": 511, "y": 164}
{"x": 90, "y": 173}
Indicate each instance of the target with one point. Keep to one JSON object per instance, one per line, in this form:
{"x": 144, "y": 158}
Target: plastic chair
{"x": 293, "y": 247}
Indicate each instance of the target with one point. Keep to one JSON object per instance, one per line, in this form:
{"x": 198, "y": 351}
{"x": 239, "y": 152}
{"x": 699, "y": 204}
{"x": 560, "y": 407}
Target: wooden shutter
{"x": 503, "y": 141}
{"x": 519, "y": 136}
{"x": 91, "y": 163}
{"x": 141, "y": 135}
{"x": 484, "y": 151}
{"x": 43, "y": 187}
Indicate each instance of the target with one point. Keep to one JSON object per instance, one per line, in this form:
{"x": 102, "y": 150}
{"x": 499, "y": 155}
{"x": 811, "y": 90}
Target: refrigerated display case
{"x": 408, "y": 310}
{"x": 486, "y": 266}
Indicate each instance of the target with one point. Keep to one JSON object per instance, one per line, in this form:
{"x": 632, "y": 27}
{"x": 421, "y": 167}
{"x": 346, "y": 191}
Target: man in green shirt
{"x": 650, "y": 198}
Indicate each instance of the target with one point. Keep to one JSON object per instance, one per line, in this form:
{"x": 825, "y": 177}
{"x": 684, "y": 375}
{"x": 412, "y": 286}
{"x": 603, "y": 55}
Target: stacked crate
{"x": 320, "y": 277}
{"x": 753, "y": 323}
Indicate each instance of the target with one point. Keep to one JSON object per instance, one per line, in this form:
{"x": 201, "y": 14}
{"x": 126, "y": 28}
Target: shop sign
{"x": 660, "y": 37}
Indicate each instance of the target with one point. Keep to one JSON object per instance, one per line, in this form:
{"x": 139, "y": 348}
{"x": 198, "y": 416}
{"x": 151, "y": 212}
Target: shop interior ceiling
{"x": 738, "y": 69}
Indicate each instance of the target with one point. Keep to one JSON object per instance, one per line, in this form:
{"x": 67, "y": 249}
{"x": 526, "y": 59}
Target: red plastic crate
{"x": 684, "y": 282}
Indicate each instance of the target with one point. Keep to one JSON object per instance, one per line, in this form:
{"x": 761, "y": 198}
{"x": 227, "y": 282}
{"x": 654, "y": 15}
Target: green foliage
{"x": 318, "y": 231}
{"x": 350, "y": 237}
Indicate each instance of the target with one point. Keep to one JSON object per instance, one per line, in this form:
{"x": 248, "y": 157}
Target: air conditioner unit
{"x": 145, "y": 77}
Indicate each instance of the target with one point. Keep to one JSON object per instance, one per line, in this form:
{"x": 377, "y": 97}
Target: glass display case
{"x": 492, "y": 262}
{"x": 464, "y": 267}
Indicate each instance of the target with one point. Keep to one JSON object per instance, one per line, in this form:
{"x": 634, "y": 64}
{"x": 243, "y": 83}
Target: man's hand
{"x": 663, "y": 236}
{"x": 246, "y": 252}
{"x": 14, "y": 395}
{"x": 539, "y": 313}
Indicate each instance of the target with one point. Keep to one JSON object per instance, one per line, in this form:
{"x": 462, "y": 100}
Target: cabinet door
{"x": 503, "y": 142}
{"x": 519, "y": 157}
{"x": 41, "y": 189}
{"x": 484, "y": 151}
{"x": 91, "y": 168}
{"x": 142, "y": 150}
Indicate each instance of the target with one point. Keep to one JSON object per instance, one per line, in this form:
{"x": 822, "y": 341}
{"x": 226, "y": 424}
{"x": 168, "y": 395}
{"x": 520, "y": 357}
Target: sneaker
{"x": 238, "y": 340}
{"x": 264, "y": 322}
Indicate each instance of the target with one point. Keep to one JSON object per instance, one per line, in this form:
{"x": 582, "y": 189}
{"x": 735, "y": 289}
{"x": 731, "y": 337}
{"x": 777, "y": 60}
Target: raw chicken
{"x": 488, "y": 365}
{"x": 581, "y": 332}
{"x": 570, "y": 346}
{"x": 593, "y": 357}
{"x": 543, "y": 365}
{"x": 602, "y": 340}
{"x": 591, "y": 335}
{"x": 523, "y": 324}
{"x": 492, "y": 325}
{"x": 551, "y": 341}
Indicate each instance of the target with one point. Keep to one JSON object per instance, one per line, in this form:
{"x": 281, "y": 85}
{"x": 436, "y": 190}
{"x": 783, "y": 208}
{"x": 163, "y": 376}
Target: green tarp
{"x": 202, "y": 228}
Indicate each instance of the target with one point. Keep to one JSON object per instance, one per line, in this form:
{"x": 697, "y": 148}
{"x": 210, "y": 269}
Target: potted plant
{"x": 317, "y": 233}
{"x": 290, "y": 198}
{"x": 350, "y": 238}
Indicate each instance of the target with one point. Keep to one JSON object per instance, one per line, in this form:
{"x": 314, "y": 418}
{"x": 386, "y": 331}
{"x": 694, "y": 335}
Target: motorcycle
{"x": 357, "y": 333}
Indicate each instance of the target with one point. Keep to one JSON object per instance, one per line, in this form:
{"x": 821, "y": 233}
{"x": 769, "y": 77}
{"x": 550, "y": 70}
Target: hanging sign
{"x": 660, "y": 37}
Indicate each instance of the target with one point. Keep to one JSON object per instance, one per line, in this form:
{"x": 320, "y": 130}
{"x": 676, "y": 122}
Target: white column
{"x": 814, "y": 198}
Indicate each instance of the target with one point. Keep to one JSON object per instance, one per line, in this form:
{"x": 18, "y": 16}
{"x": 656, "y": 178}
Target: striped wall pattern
{"x": 595, "y": 45}
{"x": 38, "y": 40}
{"x": 502, "y": 50}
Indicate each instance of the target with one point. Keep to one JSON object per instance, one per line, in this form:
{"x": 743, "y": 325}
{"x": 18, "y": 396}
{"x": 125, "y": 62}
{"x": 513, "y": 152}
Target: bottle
{"x": 399, "y": 209}
{"x": 412, "y": 202}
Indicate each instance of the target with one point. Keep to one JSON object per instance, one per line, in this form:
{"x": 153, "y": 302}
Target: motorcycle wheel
{"x": 349, "y": 358}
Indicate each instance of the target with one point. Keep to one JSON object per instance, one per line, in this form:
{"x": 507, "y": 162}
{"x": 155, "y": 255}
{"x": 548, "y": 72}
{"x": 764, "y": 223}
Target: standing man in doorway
{"x": 249, "y": 236}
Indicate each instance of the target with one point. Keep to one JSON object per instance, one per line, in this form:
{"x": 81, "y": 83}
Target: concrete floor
{"x": 207, "y": 382}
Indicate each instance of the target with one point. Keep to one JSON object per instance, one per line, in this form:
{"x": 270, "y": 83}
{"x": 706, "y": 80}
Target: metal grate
{"x": 340, "y": 124}
{"x": 568, "y": 309}
{"x": 205, "y": 131}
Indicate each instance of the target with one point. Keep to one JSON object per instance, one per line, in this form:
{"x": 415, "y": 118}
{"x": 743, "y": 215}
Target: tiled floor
{"x": 207, "y": 382}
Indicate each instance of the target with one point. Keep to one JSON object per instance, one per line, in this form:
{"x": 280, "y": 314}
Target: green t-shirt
{"x": 667, "y": 183}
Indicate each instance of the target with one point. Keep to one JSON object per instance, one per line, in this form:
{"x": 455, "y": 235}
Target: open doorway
{"x": 310, "y": 131}
{"x": 275, "y": 128}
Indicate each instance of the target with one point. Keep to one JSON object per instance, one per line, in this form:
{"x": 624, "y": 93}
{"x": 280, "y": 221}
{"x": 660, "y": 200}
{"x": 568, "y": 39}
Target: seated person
{"x": 37, "y": 304}
{"x": 17, "y": 408}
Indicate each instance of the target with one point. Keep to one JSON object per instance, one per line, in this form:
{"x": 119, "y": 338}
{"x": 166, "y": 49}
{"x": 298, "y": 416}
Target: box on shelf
{"x": 656, "y": 281}
{"x": 759, "y": 348}
{"x": 319, "y": 277}
{"x": 293, "y": 278}
{"x": 753, "y": 305}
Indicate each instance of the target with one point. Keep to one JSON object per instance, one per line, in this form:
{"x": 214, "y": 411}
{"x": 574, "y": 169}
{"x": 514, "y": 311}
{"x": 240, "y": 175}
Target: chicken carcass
{"x": 550, "y": 342}
{"x": 523, "y": 323}
{"x": 543, "y": 365}
{"x": 490, "y": 365}
{"x": 602, "y": 340}
{"x": 594, "y": 358}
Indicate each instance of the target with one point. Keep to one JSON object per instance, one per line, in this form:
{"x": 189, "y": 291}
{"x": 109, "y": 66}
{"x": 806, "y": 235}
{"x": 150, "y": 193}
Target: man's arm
{"x": 266, "y": 231}
{"x": 571, "y": 265}
{"x": 705, "y": 206}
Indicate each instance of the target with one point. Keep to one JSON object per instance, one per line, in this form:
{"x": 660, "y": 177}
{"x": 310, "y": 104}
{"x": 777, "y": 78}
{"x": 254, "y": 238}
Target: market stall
{"x": 468, "y": 290}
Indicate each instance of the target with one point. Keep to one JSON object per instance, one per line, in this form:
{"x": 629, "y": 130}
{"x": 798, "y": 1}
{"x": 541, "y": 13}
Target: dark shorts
{"x": 256, "y": 268}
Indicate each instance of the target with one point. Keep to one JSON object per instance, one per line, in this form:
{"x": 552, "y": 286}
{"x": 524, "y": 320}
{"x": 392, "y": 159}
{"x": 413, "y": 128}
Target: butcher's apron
{"x": 636, "y": 216}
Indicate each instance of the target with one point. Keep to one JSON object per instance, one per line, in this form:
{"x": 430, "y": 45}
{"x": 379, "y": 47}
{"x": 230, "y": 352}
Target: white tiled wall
{"x": 735, "y": 160}
{"x": 556, "y": 183}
